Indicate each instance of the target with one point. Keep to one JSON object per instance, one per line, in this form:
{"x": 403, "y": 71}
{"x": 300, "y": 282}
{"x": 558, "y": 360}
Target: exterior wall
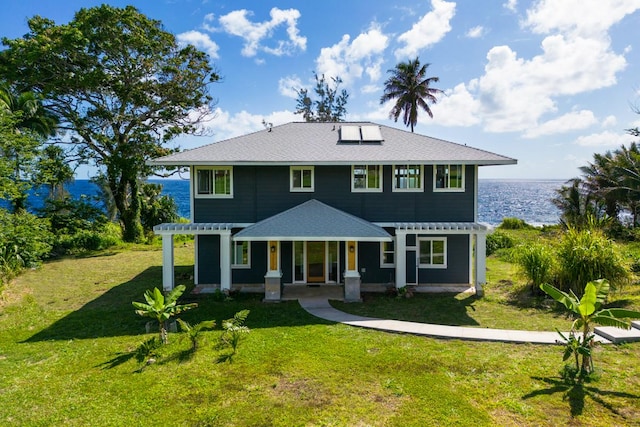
{"x": 209, "y": 259}
{"x": 457, "y": 271}
{"x": 262, "y": 191}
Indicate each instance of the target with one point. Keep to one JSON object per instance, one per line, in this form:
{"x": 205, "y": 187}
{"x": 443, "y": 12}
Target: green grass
{"x": 67, "y": 331}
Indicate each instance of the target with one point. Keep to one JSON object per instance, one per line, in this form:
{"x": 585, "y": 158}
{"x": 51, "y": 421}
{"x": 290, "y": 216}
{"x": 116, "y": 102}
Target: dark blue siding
{"x": 263, "y": 191}
{"x": 209, "y": 259}
{"x": 457, "y": 270}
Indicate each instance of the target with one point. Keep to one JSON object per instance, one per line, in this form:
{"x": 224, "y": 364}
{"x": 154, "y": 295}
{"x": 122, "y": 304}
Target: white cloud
{"x": 609, "y": 121}
{"x": 585, "y": 18}
{"x": 287, "y": 86}
{"x": 237, "y": 23}
{"x": 199, "y": 40}
{"x": 566, "y": 123}
{"x": 604, "y": 139}
{"x": 511, "y": 5}
{"x": 226, "y": 126}
{"x": 456, "y": 108}
{"x": 429, "y": 30}
{"x": 350, "y": 60}
{"x": 475, "y": 32}
{"x": 516, "y": 92}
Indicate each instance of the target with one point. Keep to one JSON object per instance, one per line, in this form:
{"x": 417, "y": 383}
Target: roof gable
{"x": 313, "y": 220}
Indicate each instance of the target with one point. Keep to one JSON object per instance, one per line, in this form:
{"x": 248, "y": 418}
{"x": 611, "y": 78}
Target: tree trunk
{"x": 127, "y": 200}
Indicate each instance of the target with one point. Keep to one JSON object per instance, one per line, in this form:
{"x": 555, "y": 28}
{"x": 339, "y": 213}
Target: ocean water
{"x": 529, "y": 200}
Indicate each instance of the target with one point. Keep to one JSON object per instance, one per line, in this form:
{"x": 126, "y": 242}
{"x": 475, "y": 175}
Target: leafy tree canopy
{"x": 329, "y": 105}
{"x": 121, "y": 86}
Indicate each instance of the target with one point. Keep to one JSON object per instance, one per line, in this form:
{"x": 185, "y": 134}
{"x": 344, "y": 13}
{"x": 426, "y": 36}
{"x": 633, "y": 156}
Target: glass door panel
{"x": 315, "y": 262}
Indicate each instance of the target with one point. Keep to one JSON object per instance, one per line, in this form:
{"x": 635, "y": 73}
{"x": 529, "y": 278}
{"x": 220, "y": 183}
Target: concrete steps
{"x": 618, "y": 335}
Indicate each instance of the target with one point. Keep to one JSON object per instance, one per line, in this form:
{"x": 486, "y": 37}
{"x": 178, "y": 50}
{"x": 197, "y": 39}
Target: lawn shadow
{"x": 437, "y": 308}
{"x": 576, "y": 392}
{"x": 111, "y": 314}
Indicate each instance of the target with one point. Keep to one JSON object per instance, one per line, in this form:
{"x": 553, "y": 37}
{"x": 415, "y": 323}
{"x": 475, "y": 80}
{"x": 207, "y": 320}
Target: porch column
{"x": 481, "y": 262}
{"x": 401, "y": 258}
{"x": 225, "y": 260}
{"x": 273, "y": 278}
{"x": 351, "y": 275}
{"x": 167, "y": 262}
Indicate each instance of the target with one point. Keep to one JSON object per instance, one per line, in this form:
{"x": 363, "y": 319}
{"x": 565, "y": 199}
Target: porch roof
{"x": 313, "y": 221}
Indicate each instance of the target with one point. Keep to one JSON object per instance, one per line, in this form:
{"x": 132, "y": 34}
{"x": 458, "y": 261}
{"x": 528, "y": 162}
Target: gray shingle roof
{"x": 319, "y": 143}
{"x": 313, "y": 220}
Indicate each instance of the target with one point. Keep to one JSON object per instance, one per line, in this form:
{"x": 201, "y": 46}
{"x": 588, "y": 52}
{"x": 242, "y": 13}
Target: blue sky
{"x": 549, "y": 82}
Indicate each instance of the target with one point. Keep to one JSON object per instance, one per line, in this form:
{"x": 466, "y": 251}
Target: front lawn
{"x": 67, "y": 332}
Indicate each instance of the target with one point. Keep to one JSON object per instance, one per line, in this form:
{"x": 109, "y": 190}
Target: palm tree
{"x": 28, "y": 108}
{"x": 411, "y": 90}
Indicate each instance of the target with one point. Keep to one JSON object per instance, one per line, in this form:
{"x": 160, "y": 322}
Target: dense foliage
{"x": 121, "y": 86}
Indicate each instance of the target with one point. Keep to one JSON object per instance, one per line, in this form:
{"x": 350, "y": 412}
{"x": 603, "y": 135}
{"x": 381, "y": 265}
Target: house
{"x": 333, "y": 203}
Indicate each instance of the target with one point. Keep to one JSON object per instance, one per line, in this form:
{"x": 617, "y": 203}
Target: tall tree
{"x": 122, "y": 87}
{"x": 412, "y": 90}
{"x": 329, "y": 105}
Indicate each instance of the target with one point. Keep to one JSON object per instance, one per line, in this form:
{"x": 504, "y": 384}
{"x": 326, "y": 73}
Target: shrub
{"x": 25, "y": 240}
{"x": 587, "y": 255}
{"x": 498, "y": 240}
{"x": 513, "y": 224}
{"x": 537, "y": 263}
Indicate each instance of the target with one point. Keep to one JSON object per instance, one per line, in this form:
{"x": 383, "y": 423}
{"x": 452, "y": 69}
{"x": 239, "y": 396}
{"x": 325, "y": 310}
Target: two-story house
{"x": 332, "y": 203}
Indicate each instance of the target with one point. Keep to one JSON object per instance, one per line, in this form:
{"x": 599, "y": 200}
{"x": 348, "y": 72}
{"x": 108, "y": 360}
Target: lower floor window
{"x": 240, "y": 255}
{"x": 387, "y": 254}
{"x": 433, "y": 252}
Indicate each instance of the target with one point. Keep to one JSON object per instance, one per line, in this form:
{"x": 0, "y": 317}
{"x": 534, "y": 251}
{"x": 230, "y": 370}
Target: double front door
{"x": 316, "y": 262}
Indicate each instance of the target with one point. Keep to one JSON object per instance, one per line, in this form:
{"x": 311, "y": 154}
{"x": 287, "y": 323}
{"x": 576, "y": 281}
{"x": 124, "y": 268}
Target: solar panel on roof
{"x": 350, "y": 133}
{"x": 371, "y": 133}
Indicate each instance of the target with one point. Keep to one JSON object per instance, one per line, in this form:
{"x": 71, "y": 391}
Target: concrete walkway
{"x": 321, "y": 308}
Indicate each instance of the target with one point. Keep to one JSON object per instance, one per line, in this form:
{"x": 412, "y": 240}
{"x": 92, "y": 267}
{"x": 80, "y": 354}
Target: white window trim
{"x": 233, "y": 252}
{"x": 302, "y": 190}
{"x": 432, "y": 239}
{"x": 366, "y": 190}
{"x": 212, "y": 196}
{"x": 408, "y": 190}
{"x": 449, "y": 189}
{"x": 382, "y": 252}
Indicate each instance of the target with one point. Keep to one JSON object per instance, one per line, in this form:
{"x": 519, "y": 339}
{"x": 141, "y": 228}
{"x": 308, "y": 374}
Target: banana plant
{"x": 162, "y": 308}
{"x": 587, "y": 311}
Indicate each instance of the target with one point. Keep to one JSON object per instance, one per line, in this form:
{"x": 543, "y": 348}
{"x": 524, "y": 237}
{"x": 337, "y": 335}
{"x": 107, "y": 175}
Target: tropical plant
{"x": 162, "y": 308}
{"x": 121, "y": 85}
{"x": 329, "y": 105}
{"x": 586, "y": 255}
{"x": 588, "y": 311}
{"x": 412, "y": 91}
{"x": 537, "y": 263}
{"x": 156, "y": 208}
{"x": 193, "y": 332}
{"x": 233, "y": 332}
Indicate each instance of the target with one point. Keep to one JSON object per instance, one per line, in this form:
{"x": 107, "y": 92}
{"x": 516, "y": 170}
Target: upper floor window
{"x": 240, "y": 254}
{"x": 433, "y": 252}
{"x": 214, "y": 181}
{"x": 408, "y": 178}
{"x": 301, "y": 178}
{"x": 448, "y": 178}
{"x": 366, "y": 178}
